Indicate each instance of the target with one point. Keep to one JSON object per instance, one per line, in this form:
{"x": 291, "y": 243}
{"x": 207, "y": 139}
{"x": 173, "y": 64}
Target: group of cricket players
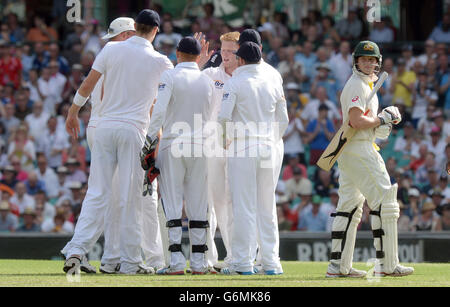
{"x": 209, "y": 141}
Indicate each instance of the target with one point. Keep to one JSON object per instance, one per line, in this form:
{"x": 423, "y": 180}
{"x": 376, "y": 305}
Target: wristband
{"x": 382, "y": 121}
{"x": 79, "y": 100}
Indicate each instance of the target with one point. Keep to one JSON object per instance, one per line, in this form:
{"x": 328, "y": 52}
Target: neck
{"x": 150, "y": 36}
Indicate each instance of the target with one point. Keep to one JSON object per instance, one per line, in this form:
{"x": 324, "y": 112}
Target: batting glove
{"x": 390, "y": 115}
{"x": 148, "y": 152}
{"x": 382, "y": 132}
{"x": 150, "y": 175}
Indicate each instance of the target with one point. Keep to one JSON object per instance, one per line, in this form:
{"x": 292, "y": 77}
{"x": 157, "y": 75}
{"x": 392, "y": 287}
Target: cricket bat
{"x": 343, "y": 136}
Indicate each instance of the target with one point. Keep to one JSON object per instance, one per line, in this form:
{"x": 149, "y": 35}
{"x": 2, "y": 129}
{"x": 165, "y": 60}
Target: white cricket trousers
{"x": 184, "y": 178}
{"x": 220, "y": 208}
{"x": 151, "y": 236}
{"x": 252, "y": 187}
{"x": 116, "y": 145}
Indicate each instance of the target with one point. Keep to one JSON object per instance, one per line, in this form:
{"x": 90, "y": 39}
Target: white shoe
{"x": 334, "y": 271}
{"x": 73, "y": 262}
{"x": 108, "y": 268}
{"x": 230, "y": 271}
{"x": 169, "y": 271}
{"x": 86, "y": 267}
{"x": 142, "y": 269}
{"x": 398, "y": 271}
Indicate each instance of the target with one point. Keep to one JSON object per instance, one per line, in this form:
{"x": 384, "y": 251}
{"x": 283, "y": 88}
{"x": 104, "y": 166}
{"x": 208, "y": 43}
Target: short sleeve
{"x": 353, "y": 97}
{"x": 101, "y": 60}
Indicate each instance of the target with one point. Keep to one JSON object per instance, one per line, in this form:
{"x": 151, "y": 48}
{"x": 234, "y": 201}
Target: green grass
{"x": 297, "y": 274}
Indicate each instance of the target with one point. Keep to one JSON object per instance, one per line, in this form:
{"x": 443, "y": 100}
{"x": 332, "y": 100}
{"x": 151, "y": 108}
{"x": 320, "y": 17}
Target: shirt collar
{"x": 249, "y": 67}
{"x": 140, "y": 40}
{"x": 192, "y": 65}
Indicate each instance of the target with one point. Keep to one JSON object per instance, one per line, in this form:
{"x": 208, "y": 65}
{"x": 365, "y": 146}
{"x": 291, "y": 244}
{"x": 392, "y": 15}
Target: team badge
{"x": 218, "y": 84}
{"x": 368, "y": 47}
{"x": 355, "y": 99}
{"x": 161, "y": 86}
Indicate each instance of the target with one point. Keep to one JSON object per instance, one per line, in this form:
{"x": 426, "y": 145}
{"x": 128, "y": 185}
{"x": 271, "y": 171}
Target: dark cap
{"x": 249, "y": 35}
{"x": 189, "y": 45}
{"x": 148, "y": 17}
{"x": 250, "y": 52}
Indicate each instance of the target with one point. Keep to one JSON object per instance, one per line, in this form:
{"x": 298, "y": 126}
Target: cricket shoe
{"x": 260, "y": 271}
{"x": 230, "y": 271}
{"x": 209, "y": 270}
{"x": 219, "y": 266}
{"x": 398, "y": 271}
{"x": 86, "y": 267}
{"x": 109, "y": 268}
{"x": 169, "y": 271}
{"x": 72, "y": 264}
{"x": 333, "y": 271}
{"x": 141, "y": 270}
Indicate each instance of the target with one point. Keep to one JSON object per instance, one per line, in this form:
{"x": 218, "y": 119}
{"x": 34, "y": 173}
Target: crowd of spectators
{"x": 44, "y": 172}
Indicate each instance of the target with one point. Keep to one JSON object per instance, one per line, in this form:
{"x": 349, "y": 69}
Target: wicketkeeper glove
{"x": 382, "y": 132}
{"x": 390, "y": 115}
{"x": 150, "y": 175}
{"x": 148, "y": 152}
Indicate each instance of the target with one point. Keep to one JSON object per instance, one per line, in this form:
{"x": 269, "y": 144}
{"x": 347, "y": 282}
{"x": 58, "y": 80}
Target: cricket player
{"x": 219, "y": 200}
{"x": 363, "y": 174}
{"x": 253, "y": 102}
{"x": 131, "y": 70}
{"x": 182, "y": 108}
{"x": 121, "y": 29}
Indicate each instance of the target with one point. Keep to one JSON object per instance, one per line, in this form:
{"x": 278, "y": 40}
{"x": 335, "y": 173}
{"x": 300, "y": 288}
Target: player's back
{"x": 190, "y": 101}
{"x": 132, "y": 70}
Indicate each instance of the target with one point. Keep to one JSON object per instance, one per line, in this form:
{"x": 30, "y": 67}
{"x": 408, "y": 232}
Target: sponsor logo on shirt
{"x": 355, "y": 99}
{"x": 218, "y": 84}
{"x": 225, "y": 96}
{"x": 161, "y": 86}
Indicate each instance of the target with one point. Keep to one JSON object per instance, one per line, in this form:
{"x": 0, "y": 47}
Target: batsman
{"x": 363, "y": 174}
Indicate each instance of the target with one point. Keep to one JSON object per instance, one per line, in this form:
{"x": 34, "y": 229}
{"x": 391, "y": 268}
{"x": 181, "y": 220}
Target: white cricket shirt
{"x": 132, "y": 70}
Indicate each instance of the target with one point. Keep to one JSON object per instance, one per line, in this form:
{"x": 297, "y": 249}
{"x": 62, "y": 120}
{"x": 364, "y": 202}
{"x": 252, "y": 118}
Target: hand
{"x": 150, "y": 175}
{"x": 390, "y": 115}
{"x": 73, "y": 125}
{"x": 148, "y": 152}
{"x": 205, "y": 55}
{"x": 382, "y": 132}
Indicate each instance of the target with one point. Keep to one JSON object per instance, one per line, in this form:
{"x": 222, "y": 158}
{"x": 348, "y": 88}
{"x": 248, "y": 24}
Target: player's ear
{"x": 135, "y": 26}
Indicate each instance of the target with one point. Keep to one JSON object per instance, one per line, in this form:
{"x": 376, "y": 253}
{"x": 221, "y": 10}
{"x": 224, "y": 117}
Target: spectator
{"x": 407, "y": 55}
{"x": 8, "y": 221}
{"x": 412, "y": 207}
{"x": 423, "y": 95}
{"x": 330, "y": 207}
{"x": 10, "y": 121}
{"x": 53, "y": 144}
{"x": 283, "y": 223}
{"x": 41, "y": 57}
{"x": 47, "y": 175}
{"x": 405, "y": 144}
{"x": 58, "y": 224}
{"x": 33, "y": 86}
{"x": 365, "y": 223}
{"x": 311, "y": 110}
{"x": 443, "y": 185}
{"x": 421, "y": 175}
{"x": 313, "y": 36}
{"x": 330, "y": 47}
{"x": 419, "y": 159}
{"x": 10, "y": 68}
{"x": 167, "y": 32}
{"x": 323, "y": 79}
{"x": 295, "y": 98}
{"x": 320, "y": 132}
{"x": 293, "y": 143}
{"x": 49, "y": 93}
{"x": 55, "y": 56}
{"x": 73, "y": 54}
{"x": 328, "y": 29}
{"x": 293, "y": 162}
{"x": 341, "y": 64}
{"x": 381, "y": 33}
{"x": 9, "y": 177}
{"x": 298, "y": 186}
{"x": 21, "y": 199}
{"x": 443, "y": 223}
{"x": 40, "y": 32}
{"x": 443, "y": 162}
{"x": 274, "y": 56}
{"x": 290, "y": 70}
{"x": 33, "y": 184}
{"x": 430, "y": 52}
{"x": 425, "y": 221}
{"x": 75, "y": 36}
{"x": 16, "y": 32}
{"x": 57, "y": 82}
{"x": 404, "y": 221}
{"x": 66, "y": 209}
{"x": 444, "y": 90}
{"x": 75, "y": 151}
{"x": 436, "y": 145}
{"x": 425, "y": 124}
{"x": 75, "y": 173}
{"x": 91, "y": 38}
{"x": 167, "y": 47}
{"x": 86, "y": 60}
{"x": 441, "y": 34}
{"x": 22, "y": 108}
{"x": 44, "y": 209}
{"x": 37, "y": 121}
{"x": 314, "y": 219}
{"x": 324, "y": 183}
{"x": 209, "y": 24}
{"x": 403, "y": 81}
{"x": 279, "y": 24}
{"x": 307, "y": 59}
{"x": 73, "y": 82}
{"x": 63, "y": 184}
{"x": 22, "y": 148}
{"x": 350, "y": 28}
{"x": 29, "y": 221}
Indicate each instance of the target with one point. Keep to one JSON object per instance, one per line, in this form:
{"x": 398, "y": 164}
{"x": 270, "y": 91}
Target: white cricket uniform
{"x": 220, "y": 212}
{"x": 254, "y": 100}
{"x": 132, "y": 70}
{"x": 363, "y": 174}
{"x": 185, "y": 93}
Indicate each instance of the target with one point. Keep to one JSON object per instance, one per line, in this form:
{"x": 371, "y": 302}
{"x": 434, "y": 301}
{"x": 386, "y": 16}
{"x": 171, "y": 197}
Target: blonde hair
{"x": 230, "y": 37}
